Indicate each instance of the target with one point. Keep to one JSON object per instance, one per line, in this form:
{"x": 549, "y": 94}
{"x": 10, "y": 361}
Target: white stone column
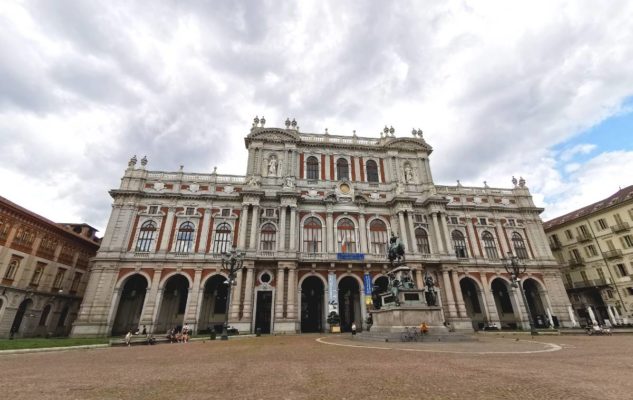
{"x": 292, "y": 290}
{"x": 241, "y": 240}
{"x": 403, "y": 231}
{"x": 293, "y": 228}
{"x": 204, "y": 227}
{"x": 461, "y": 306}
{"x": 572, "y": 317}
{"x": 472, "y": 238}
{"x": 437, "y": 233}
{"x": 450, "y": 299}
{"x": 414, "y": 245}
{"x": 168, "y": 223}
{"x": 254, "y": 228}
{"x": 279, "y": 293}
{"x": 490, "y": 300}
{"x": 192, "y": 300}
{"x": 519, "y": 307}
{"x": 592, "y": 315}
{"x": 331, "y": 243}
{"x": 236, "y": 296}
{"x": 362, "y": 233}
{"x": 419, "y": 281}
{"x": 248, "y": 292}
{"x": 151, "y": 301}
{"x": 282, "y": 228}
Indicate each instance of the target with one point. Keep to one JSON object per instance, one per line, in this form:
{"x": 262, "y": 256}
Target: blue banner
{"x": 350, "y": 256}
{"x": 367, "y": 281}
{"x": 332, "y": 293}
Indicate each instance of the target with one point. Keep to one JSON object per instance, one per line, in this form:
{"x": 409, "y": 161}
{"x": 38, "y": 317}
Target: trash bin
{"x": 258, "y": 332}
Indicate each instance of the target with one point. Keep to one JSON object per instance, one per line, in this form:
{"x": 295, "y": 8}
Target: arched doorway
{"x": 504, "y": 303}
{"x": 536, "y": 303}
{"x": 380, "y": 286}
{"x": 213, "y": 304}
{"x": 131, "y": 300}
{"x": 19, "y": 317}
{"x": 312, "y": 291}
{"x": 349, "y": 303}
{"x": 173, "y": 304}
{"x": 473, "y": 302}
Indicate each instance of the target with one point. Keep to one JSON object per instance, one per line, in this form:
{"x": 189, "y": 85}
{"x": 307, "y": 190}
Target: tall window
{"x": 76, "y": 279}
{"x": 312, "y": 169}
{"x": 519, "y": 246}
{"x": 490, "y": 246}
{"x": 379, "y": 238}
{"x": 268, "y": 236}
{"x": 422, "y": 239}
{"x": 146, "y": 236}
{"x": 346, "y": 236}
{"x": 372, "y": 171}
{"x": 13, "y": 267}
{"x": 460, "y": 244}
{"x": 37, "y": 274}
{"x": 184, "y": 239}
{"x": 342, "y": 169}
{"x": 312, "y": 235}
{"x": 59, "y": 278}
{"x": 222, "y": 241}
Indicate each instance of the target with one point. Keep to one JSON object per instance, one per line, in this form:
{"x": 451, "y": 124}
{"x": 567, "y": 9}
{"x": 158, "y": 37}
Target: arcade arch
{"x": 173, "y": 303}
{"x": 312, "y": 304}
{"x": 131, "y": 299}
{"x": 213, "y": 305}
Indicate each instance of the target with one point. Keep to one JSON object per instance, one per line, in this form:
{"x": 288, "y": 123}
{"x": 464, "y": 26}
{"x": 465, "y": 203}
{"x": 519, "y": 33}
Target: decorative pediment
{"x": 272, "y": 135}
{"x": 408, "y": 144}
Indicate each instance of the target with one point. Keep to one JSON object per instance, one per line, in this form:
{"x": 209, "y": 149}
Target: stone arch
{"x": 505, "y": 302}
{"x": 536, "y": 301}
{"x": 349, "y": 301}
{"x": 313, "y": 307}
{"x": 309, "y": 274}
{"x": 173, "y": 303}
{"x": 123, "y": 279}
{"x": 474, "y": 301}
{"x": 213, "y": 304}
{"x": 19, "y": 326}
{"x": 131, "y": 296}
{"x": 164, "y": 279}
{"x": 343, "y": 236}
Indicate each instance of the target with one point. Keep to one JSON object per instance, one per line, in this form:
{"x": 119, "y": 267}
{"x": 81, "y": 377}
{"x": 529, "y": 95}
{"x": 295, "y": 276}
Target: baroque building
{"x": 43, "y": 272}
{"x": 313, "y": 215}
{"x": 595, "y": 246}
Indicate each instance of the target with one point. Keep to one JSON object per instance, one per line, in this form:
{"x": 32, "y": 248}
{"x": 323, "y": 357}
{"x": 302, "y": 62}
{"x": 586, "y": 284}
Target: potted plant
{"x": 334, "y": 320}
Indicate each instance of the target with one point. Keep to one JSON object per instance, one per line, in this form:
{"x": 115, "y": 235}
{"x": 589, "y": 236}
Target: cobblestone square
{"x": 334, "y": 367}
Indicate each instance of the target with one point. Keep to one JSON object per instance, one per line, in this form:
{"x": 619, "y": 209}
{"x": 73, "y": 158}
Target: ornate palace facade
{"x": 313, "y": 215}
{"x": 43, "y": 272}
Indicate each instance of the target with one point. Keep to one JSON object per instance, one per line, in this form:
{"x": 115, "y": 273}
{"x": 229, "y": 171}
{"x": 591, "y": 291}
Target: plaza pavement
{"x": 334, "y": 367}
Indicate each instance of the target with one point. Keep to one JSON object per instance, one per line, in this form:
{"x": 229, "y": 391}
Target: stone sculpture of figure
{"x": 132, "y": 161}
{"x": 396, "y": 249}
{"x": 408, "y": 174}
{"x": 430, "y": 289}
{"x": 407, "y": 280}
{"x": 253, "y": 181}
{"x": 514, "y": 181}
{"x": 521, "y": 182}
{"x": 394, "y": 287}
{"x": 289, "y": 182}
{"x": 272, "y": 166}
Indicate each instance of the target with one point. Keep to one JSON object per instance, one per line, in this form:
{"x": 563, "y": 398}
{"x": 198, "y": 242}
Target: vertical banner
{"x": 332, "y": 293}
{"x": 368, "y": 288}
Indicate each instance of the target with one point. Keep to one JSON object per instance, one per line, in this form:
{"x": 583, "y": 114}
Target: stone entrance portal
{"x": 263, "y": 312}
{"x": 312, "y": 305}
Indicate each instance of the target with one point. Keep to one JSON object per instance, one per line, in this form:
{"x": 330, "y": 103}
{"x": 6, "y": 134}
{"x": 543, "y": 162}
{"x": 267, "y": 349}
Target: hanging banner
{"x": 368, "y": 286}
{"x": 332, "y": 293}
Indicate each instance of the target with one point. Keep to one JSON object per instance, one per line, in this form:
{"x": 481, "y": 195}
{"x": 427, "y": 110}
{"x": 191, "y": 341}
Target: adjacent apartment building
{"x": 43, "y": 272}
{"x": 313, "y": 214}
{"x": 594, "y": 244}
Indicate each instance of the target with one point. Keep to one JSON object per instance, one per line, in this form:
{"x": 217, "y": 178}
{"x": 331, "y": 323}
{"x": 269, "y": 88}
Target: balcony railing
{"x": 583, "y": 237}
{"x": 576, "y": 262}
{"x": 613, "y": 254}
{"x": 266, "y": 253}
{"x": 589, "y": 283}
{"x": 621, "y": 227}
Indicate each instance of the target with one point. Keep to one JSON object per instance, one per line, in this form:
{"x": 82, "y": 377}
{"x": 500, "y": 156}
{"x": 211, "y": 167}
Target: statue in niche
{"x": 408, "y": 174}
{"x": 272, "y": 166}
{"x": 289, "y": 182}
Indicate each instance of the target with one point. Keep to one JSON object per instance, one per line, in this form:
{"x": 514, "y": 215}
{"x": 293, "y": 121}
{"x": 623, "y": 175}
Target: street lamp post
{"x": 231, "y": 263}
{"x": 515, "y": 267}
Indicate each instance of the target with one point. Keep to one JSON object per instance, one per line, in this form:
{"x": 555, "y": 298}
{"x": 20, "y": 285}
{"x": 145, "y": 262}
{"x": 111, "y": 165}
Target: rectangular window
{"x": 190, "y": 211}
{"x": 37, "y": 274}
{"x": 601, "y": 224}
{"x": 568, "y": 234}
{"x": 583, "y": 274}
{"x": 629, "y": 291}
{"x": 453, "y": 220}
{"x": 512, "y": 222}
{"x": 582, "y": 230}
{"x": 600, "y": 274}
{"x": 575, "y": 254}
{"x": 270, "y": 212}
{"x": 618, "y": 219}
{"x": 226, "y": 212}
{"x": 610, "y": 245}
{"x": 153, "y": 209}
{"x": 419, "y": 218}
{"x": 627, "y": 241}
{"x": 483, "y": 221}
{"x": 59, "y": 278}
{"x": 76, "y": 280}
{"x": 591, "y": 251}
{"x": 570, "y": 283}
{"x": 610, "y": 293}
{"x": 621, "y": 269}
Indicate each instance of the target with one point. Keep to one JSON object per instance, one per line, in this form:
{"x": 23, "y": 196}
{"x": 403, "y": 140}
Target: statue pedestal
{"x": 396, "y": 319}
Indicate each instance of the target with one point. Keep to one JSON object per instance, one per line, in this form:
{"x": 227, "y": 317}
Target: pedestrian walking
{"x": 353, "y": 328}
{"x": 128, "y": 338}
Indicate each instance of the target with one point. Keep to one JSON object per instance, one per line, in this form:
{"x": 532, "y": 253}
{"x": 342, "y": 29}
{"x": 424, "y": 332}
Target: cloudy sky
{"x": 542, "y": 90}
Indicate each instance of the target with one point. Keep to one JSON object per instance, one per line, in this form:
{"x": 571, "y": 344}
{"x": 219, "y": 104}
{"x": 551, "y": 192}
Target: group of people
{"x": 149, "y": 339}
{"x": 176, "y": 335}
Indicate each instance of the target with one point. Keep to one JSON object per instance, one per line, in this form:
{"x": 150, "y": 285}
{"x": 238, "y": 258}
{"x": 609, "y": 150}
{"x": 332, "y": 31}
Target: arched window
{"x": 489, "y": 245}
{"x": 312, "y": 169}
{"x": 312, "y": 235}
{"x": 422, "y": 239}
{"x": 268, "y": 237}
{"x": 346, "y": 236}
{"x": 342, "y": 169}
{"x": 146, "y": 236}
{"x": 13, "y": 267}
{"x": 378, "y": 237}
{"x": 372, "y": 171}
{"x": 460, "y": 244}
{"x": 222, "y": 241}
{"x": 519, "y": 246}
{"x": 184, "y": 239}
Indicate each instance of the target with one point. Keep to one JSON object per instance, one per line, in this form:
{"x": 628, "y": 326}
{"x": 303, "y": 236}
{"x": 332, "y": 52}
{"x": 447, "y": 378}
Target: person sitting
{"x": 424, "y": 328}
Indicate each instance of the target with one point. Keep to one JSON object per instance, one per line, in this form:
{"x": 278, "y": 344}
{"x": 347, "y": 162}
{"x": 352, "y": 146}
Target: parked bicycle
{"x": 410, "y": 335}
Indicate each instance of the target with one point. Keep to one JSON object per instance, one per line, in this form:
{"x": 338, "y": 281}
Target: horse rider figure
{"x": 396, "y": 250}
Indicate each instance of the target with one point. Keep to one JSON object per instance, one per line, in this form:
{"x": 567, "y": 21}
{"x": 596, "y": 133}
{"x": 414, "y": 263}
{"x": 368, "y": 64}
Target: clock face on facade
{"x": 344, "y": 188}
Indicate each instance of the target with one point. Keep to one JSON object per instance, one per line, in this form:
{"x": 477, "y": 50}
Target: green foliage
{"x": 39, "y": 343}
{"x": 333, "y": 318}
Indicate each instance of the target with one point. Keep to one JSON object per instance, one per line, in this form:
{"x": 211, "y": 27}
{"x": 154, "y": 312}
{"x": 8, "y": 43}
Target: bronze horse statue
{"x": 396, "y": 250}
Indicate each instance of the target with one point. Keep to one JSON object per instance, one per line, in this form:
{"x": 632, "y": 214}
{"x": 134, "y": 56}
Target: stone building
{"x": 595, "y": 246}
{"x": 44, "y": 271}
{"x": 313, "y": 215}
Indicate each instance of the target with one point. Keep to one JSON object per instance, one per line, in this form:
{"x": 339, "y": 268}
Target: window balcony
{"x": 621, "y": 227}
{"x": 584, "y": 237}
{"x": 266, "y": 253}
{"x": 141, "y": 254}
{"x": 576, "y": 262}
{"x": 613, "y": 254}
{"x": 588, "y": 284}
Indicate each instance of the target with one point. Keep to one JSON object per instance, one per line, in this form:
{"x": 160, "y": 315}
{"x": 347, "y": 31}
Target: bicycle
{"x": 410, "y": 335}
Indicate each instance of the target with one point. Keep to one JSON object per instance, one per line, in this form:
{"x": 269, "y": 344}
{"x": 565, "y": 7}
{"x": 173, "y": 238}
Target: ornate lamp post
{"x": 231, "y": 263}
{"x": 515, "y": 267}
